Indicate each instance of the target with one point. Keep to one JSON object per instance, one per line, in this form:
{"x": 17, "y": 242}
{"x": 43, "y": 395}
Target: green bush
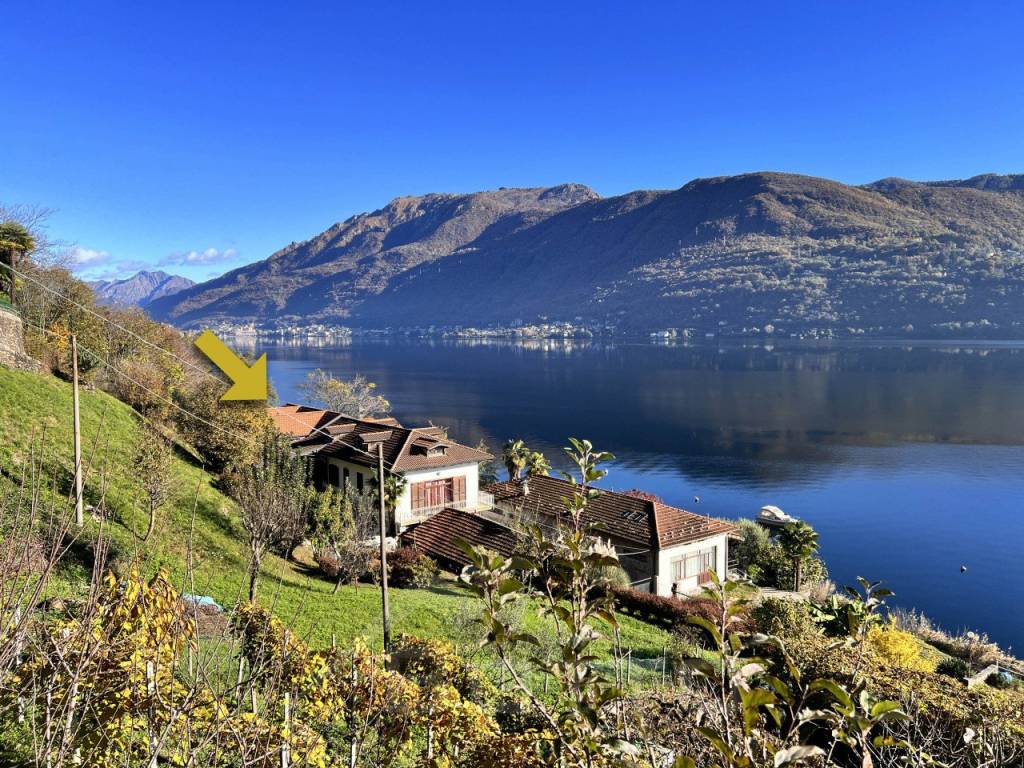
{"x": 762, "y": 559}
{"x": 779, "y": 571}
{"x": 410, "y": 568}
{"x": 999, "y": 680}
{"x": 752, "y": 548}
{"x": 615, "y": 575}
{"x": 953, "y": 667}
{"x": 788, "y": 619}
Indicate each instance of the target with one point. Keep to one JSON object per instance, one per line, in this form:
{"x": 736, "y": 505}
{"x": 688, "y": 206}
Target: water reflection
{"x": 908, "y": 459}
{"x": 670, "y": 407}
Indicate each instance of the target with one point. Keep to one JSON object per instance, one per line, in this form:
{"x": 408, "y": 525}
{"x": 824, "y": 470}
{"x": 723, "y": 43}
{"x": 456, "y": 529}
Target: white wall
{"x": 469, "y": 471}
{"x": 404, "y": 509}
{"x": 668, "y": 555}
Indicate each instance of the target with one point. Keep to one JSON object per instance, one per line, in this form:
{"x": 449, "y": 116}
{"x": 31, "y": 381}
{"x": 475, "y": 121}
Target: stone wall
{"x": 12, "y": 342}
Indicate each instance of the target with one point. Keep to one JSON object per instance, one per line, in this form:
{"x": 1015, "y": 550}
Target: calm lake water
{"x": 908, "y": 460}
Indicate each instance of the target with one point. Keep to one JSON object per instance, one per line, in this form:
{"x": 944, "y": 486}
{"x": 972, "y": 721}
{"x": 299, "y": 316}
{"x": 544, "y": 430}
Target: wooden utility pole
{"x": 383, "y": 548}
{"x": 79, "y": 512}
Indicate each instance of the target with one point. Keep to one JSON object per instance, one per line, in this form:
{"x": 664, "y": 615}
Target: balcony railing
{"x": 483, "y": 502}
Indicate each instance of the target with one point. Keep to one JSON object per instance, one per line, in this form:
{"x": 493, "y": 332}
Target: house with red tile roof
{"x": 664, "y": 549}
{"x": 440, "y": 473}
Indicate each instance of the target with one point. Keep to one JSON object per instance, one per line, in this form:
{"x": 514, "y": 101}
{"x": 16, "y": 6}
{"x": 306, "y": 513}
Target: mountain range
{"x": 755, "y": 253}
{"x": 140, "y": 289}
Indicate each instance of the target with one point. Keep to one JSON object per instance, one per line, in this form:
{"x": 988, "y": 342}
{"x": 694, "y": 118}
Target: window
{"x": 438, "y": 493}
{"x": 695, "y": 565}
{"x": 359, "y": 482}
{"x": 332, "y": 475}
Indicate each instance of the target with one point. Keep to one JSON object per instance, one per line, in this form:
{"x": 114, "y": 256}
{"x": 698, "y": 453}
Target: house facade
{"x": 663, "y": 549}
{"x": 439, "y": 473}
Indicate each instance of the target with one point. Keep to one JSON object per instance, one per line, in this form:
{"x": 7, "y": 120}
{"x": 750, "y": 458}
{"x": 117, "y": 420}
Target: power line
{"x": 147, "y": 342}
{"x": 120, "y": 327}
{"x": 106, "y": 363}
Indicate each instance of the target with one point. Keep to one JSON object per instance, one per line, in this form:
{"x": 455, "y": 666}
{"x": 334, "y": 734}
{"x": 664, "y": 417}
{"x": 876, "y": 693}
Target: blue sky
{"x": 197, "y": 137}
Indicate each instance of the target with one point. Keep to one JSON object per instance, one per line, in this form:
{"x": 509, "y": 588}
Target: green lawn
{"x": 35, "y": 413}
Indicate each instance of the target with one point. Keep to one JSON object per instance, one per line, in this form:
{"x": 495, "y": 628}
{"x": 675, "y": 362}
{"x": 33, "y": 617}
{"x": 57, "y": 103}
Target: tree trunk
{"x": 14, "y": 288}
{"x": 152, "y": 522}
{"x": 254, "y": 576}
{"x": 796, "y": 575}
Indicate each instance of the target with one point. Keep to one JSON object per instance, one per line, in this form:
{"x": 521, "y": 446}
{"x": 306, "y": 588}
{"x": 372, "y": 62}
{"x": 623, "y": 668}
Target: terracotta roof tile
{"x": 299, "y": 420}
{"x": 436, "y": 537}
{"x": 620, "y": 516}
{"x": 343, "y": 437}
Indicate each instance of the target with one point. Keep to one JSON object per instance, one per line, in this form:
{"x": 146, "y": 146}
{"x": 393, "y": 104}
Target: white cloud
{"x": 87, "y": 258}
{"x": 199, "y": 258}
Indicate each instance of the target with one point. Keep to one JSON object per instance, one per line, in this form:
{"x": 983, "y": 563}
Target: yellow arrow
{"x": 250, "y": 382}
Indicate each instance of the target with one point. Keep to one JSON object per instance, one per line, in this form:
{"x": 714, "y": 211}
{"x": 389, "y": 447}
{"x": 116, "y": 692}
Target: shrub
{"x": 410, "y": 568}
{"x": 671, "y": 612}
{"x": 436, "y": 662}
{"x": 763, "y": 560}
{"x": 999, "y": 680}
{"x": 615, "y": 575}
{"x": 350, "y": 563}
{"x": 953, "y": 667}
{"x": 779, "y": 571}
{"x": 788, "y": 619}
{"x": 515, "y": 715}
{"x": 898, "y": 648}
{"x": 751, "y": 549}
{"x": 329, "y": 565}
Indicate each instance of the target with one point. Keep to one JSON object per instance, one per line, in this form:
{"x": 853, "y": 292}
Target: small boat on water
{"x": 773, "y": 517}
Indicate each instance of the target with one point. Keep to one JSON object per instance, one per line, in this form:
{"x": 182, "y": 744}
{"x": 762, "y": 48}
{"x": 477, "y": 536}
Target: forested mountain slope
{"x": 737, "y": 254}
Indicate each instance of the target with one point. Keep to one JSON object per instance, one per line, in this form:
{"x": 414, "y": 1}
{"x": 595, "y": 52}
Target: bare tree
{"x": 152, "y": 465}
{"x": 356, "y": 398}
{"x": 274, "y": 495}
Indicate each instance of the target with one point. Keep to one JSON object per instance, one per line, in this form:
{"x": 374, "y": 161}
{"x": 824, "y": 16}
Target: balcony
{"x": 483, "y": 502}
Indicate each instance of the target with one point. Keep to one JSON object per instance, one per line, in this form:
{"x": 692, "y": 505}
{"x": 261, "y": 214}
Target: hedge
{"x": 671, "y": 612}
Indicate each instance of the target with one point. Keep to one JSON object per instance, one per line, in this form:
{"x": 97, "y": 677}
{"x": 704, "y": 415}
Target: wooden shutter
{"x": 460, "y": 488}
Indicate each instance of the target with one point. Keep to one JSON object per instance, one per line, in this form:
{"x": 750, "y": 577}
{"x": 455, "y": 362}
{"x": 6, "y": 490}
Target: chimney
{"x": 524, "y": 486}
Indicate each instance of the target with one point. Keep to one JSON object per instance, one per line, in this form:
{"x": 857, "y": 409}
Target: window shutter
{"x": 460, "y": 488}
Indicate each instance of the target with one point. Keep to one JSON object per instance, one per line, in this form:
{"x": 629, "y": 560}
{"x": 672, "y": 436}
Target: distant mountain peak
{"x": 727, "y": 254}
{"x": 140, "y": 289}
{"x": 992, "y": 182}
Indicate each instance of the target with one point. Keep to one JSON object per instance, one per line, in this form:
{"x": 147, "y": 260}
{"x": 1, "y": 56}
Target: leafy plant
{"x": 799, "y": 541}
{"x": 408, "y": 567}
{"x": 953, "y": 667}
{"x": 514, "y": 455}
{"x": 581, "y": 727}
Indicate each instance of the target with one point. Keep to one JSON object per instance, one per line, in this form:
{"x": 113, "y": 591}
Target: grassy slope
{"x": 36, "y": 409}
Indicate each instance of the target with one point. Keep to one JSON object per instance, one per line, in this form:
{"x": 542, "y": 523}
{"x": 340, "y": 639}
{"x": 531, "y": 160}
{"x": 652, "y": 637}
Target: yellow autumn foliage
{"x": 897, "y": 648}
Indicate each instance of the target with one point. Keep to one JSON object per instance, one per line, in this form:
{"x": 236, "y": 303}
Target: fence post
{"x": 151, "y": 693}
{"x": 286, "y": 757}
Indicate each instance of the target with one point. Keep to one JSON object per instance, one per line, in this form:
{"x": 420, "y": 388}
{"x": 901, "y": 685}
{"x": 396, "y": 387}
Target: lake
{"x": 909, "y": 460}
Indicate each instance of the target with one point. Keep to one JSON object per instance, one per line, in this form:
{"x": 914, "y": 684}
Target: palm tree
{"x": 537, "y": 464}
{"x": 799, "y": 541}
{"x": 394, "y": 487}
{"x": 514, "y": 456}
{"x": 15, "y": 242}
